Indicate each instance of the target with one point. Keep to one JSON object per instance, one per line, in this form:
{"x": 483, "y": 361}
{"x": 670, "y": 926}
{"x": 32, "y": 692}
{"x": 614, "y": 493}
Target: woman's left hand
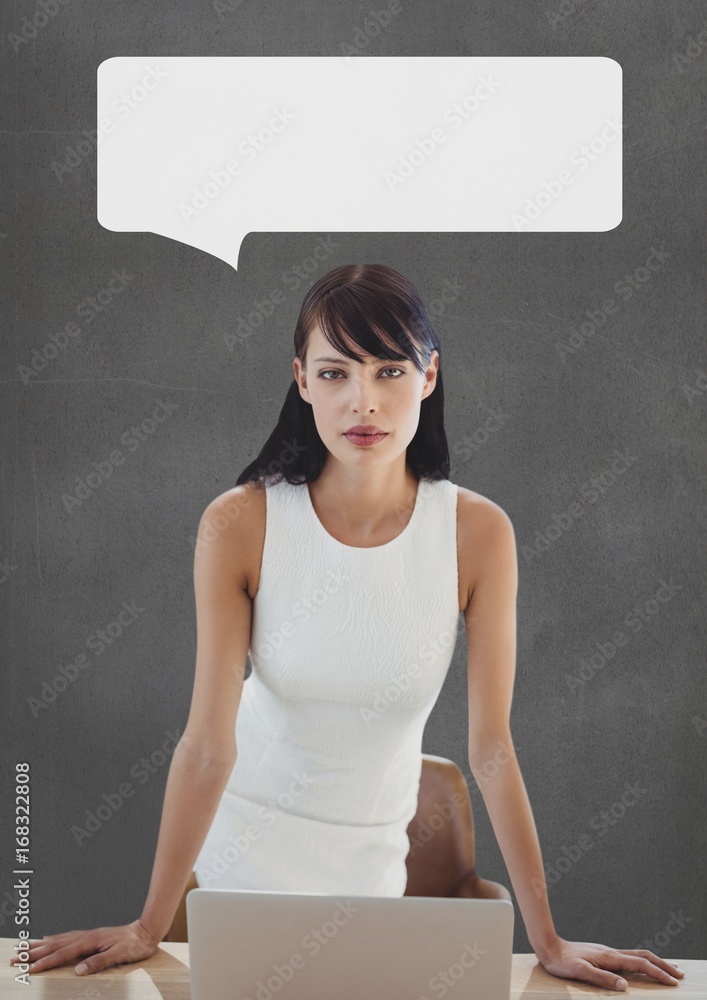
{"x": 598, "y": 964}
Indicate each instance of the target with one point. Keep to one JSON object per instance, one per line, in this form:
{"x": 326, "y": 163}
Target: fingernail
{"x": 80, "y": 969}
{"x": 621, "y": 983}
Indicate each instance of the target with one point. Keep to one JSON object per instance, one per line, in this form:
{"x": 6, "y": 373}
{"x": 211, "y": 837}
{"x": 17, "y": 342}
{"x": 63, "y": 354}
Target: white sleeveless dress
{"x": 349, "y": 648}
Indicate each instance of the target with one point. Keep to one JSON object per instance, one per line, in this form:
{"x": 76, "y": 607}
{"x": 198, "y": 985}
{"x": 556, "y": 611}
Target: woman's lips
{"x": 366, "y": 440}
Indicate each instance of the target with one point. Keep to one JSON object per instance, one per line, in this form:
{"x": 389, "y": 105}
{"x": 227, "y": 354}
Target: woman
{"x": 342, "y": 560}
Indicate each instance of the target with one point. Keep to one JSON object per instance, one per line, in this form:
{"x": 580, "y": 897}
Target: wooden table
{"x": 165, "y": 976}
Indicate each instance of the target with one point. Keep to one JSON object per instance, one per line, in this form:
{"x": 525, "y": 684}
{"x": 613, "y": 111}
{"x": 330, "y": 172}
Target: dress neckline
{"x": 363, "y": 548}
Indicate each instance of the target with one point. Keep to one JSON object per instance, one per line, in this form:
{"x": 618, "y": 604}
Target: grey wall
{"x": 636, "y": 385}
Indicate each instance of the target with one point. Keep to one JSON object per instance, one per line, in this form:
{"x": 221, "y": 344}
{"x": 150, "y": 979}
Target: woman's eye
{"x": 332, "y": 371}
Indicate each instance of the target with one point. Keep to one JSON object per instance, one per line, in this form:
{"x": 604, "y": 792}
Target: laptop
{"x": 257, "y": 945}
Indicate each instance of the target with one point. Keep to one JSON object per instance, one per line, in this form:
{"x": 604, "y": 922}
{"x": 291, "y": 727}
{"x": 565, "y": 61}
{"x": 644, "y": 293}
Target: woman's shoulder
{"x": 232, "y": 530}
{"x": 236, "y": 515}
{"x": 485, "y": 538}
{"x": 474, "y": 506}
{"x": 236, "y": 505}
{"x": 482, "y": 523}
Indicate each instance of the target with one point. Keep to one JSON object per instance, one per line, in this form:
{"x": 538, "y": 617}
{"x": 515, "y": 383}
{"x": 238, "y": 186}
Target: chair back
{"x": 441, "y": 833}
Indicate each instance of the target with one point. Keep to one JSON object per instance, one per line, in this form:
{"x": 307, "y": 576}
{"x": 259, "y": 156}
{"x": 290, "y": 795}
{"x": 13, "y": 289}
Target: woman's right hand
{"x": 97, "y": 949}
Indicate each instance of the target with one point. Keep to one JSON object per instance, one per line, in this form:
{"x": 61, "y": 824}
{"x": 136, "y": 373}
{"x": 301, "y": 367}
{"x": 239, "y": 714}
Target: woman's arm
{"x": 491, "y": 638}
{"x": 488, "y": 536}
{"x": 206, "y": 753}
{"x": 194, "y": 788}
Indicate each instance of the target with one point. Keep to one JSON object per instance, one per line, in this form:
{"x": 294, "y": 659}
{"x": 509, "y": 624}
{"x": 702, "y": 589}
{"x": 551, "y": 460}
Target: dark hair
{"x": 375, "y": 308}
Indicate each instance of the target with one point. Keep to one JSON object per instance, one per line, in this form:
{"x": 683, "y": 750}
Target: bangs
{"x": 358, "y": 325}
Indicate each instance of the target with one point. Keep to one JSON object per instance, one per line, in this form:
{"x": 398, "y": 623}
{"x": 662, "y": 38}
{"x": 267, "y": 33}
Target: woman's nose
{"x": 363, "y": 397}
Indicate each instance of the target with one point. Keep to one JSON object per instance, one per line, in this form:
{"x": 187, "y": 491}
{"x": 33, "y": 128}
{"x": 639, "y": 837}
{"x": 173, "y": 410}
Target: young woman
{"x": 341, "y": 561}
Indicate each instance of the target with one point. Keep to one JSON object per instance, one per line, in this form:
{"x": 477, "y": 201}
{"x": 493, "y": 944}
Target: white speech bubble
{"x": 207, "y": 149}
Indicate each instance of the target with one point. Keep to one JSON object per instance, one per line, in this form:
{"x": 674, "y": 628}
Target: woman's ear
{"x": 431, "y": 374}
{"x": 301, "y": 379}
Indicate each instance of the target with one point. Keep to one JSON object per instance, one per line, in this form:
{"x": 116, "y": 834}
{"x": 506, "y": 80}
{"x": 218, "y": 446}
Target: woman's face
{"x": 345, "y": 393}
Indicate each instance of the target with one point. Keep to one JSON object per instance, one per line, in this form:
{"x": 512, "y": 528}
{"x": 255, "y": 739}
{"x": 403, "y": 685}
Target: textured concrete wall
{"x": 610, "y": 690}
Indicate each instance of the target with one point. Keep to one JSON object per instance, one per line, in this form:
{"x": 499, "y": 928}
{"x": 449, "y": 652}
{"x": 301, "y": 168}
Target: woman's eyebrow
{"x": 346, "y": 361}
